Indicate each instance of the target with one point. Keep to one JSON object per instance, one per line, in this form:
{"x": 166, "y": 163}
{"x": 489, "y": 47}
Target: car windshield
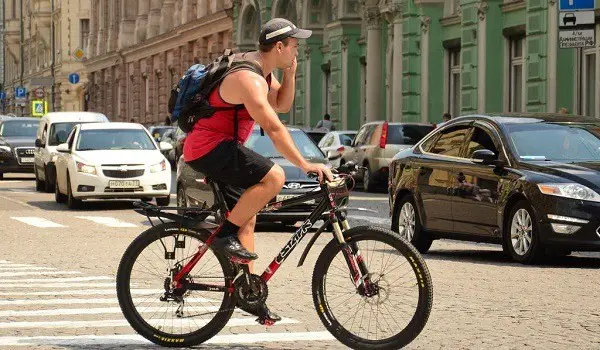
{"x": 346, "y": 139}
{"x": 59, "y": 132}
{"x": 263, "y": 145}
{"x": 114, "y": 139}
{"x": 556, "y": 142}
{"x": 407, "y": 134}
{"x": 26, "y": 128}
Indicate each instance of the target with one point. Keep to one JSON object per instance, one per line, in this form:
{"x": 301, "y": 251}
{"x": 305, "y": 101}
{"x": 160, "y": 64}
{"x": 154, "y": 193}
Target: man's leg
{"x": 246, "y": 237}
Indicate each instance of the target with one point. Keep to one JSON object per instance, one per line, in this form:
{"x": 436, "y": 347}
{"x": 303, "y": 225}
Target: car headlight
{"x": 84, "y": 168}
{"x": 158, "y": 167}
{"x": 5, "y": 149}
{"x": 570, "y": 190}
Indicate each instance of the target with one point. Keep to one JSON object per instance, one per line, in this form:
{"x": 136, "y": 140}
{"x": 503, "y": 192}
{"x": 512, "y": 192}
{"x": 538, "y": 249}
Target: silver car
{"x": 376, "y": 144}
{"x": 335, "y": 143}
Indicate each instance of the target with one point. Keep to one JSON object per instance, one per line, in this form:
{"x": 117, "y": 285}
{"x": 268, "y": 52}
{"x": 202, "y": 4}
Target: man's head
{"x": 446, "y": 117}
{"x": 327, "y": 117}
{"x": 279, "y": 40}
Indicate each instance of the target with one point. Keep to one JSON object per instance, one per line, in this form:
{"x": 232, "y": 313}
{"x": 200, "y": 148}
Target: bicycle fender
{"x": 311, "y": 242}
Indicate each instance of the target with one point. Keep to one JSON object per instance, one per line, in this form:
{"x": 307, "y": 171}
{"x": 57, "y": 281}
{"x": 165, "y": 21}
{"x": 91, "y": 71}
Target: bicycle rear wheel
{"x": 393, "y": 315}
{"x": 186, "y": 317}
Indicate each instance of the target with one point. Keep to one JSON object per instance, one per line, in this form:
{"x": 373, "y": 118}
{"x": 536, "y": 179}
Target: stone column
{"x": 187, "y": 13}
{"x": 141, "y": 22}
{"x": 112, "y": 26}
{"x": 552, "y": 55}
{"x": 201, "y": 8}
{"x": 397, "y": 65}
{"x": 425, "y": 21}
{"x": 127, "y": 25}
{"x": 154, "y": 19}
{"x": 373, "y": 65}
{"x": 101, "y": 40}
{"x": 166, "y": 16}
{"x": 389, "y": 67}
{"x": 90, "y": 50}
{"x": 482, "y": 8}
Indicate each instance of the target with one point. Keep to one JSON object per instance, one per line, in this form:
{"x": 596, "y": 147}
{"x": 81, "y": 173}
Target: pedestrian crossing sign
{"x": 39, "y": 108}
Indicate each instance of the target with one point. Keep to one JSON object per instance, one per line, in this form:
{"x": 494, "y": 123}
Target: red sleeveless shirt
{"x": 209, "y": 132}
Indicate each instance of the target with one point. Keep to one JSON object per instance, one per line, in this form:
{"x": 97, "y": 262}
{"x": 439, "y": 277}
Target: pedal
{"x": 237, "y": 260}
{"x": 265, "y": 321}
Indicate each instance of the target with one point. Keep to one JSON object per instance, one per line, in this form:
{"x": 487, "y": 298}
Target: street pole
{"x": 22, "y": 51}
{"x": 52, "y": 48}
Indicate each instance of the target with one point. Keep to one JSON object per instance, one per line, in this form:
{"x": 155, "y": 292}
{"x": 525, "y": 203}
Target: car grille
{"x": 123, "y": 190}
{"x": 292, "y": 185}
{"x": 123, "y": 174}
{"x": 24, "y": 152}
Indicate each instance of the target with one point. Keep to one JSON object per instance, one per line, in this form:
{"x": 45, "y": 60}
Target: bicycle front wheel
{"x": 177, "y": 317}
{"x": 400, "y": 297}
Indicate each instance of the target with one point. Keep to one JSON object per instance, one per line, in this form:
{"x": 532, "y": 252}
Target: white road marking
{"x": 234, "y": 322}
{"x": 24, "y": 268}
{"x": 58, "y": 280}
{"x": 88, "y": 311}
{"x": 87, "y": 340}
{"x": 107, "y": 221}
{"x": 93, "y": 301}
{"x": 55, "y": 285}
{"x": 29, "y": 273}
{"x": 77, "y": 292}
{"x": 37, "y": 222}
{"x": 372, "y": 219}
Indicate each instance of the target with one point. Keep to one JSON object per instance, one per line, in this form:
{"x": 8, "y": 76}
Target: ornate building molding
{"x": 425, "y": 22}
{"x": 345, "y": 40}
{"x": 482, "y": 8}
{"x": 373, "y": 17}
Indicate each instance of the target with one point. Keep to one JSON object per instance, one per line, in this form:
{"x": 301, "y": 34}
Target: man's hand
{"x": 291, "y": 70}
{"x": 319, "y": 169}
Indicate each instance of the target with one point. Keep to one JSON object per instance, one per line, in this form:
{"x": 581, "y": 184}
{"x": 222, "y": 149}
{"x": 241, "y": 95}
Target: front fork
{"x": 356, "y": 264}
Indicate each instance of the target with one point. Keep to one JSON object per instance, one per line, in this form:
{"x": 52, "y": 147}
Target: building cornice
{"x": 513, "y": 6}
{"x": 451, "y": 20}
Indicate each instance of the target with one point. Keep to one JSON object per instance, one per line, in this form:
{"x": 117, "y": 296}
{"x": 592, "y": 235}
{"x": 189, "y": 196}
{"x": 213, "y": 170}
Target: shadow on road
{"x": 91, "y": 205}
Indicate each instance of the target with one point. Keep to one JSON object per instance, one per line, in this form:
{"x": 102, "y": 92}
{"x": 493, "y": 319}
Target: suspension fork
{"x": 354, "y": 259}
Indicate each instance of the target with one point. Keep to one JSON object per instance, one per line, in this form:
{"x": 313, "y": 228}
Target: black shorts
{"x": 222, "y": 166}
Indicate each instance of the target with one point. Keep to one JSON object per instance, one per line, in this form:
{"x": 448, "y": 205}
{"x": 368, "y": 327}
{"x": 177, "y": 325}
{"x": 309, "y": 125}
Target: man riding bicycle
{"x": 212, "y": 148}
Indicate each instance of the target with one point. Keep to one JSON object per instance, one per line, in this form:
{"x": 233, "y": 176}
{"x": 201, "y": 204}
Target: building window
{"x": 250, "y": 26}
{"x": 451, "y": 7}
{"x": 453, "y": 82}
{"x": 516, "y": 86}
{"x": 589, "y": 84}
{"x": 85, "y": 33}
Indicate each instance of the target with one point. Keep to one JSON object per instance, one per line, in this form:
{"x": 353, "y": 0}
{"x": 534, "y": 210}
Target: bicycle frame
{"x": 326, "y": 203}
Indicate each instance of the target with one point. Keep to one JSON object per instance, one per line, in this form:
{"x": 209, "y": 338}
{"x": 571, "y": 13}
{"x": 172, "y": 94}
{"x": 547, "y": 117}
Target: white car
{"x": 335, "y": 143}
{"x": 111, "y": 160}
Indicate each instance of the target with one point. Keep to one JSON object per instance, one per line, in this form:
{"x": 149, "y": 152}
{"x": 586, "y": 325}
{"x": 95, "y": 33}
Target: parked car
{"x": 111, "y": 160}
{"x": 375, "y": 145}
{"x": 193, "y": 191}
{"x": 52, "y": 131}
{"x": 316, "y": 134}
{"x": 530, "y": 182}
{"x": 335, "y": 143}
{"x": 17, "y": 137}
{"x": 176, "y": 138}
{"x": 158, "y": 131}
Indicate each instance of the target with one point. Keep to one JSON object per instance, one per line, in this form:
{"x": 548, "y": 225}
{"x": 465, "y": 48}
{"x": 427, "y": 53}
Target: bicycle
{"x": 357, "y": 278}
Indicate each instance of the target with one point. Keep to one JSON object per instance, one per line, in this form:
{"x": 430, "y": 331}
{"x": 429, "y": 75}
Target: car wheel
{"x": 1, "y": 176}
{"x": 59, "y": 197}
{"x": 40, "y": 185}
{"x": 521, "y": 235}
{"x": 72, "y": 202}
{"x": 368, "y": 184}
{"x": 48, "y": 186}
{"x": 163, "y": 201}
{"x": 407, "y": 223}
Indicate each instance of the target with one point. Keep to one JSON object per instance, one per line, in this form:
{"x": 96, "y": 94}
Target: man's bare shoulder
{"x": 245, "y": 81}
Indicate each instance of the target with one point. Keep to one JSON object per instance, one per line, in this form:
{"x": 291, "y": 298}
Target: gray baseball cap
{"x": 278, "y": 29}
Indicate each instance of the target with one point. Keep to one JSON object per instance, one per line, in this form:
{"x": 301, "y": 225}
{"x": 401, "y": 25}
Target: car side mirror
{"x": 485, "y": 157}
{"x": 38, "y": 143}
{"x": 165, "y": 146}
{"x": 63, "y": 148}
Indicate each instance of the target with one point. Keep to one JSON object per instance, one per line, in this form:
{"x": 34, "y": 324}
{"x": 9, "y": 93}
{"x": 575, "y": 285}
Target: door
{"x": 62, "y": 163}
{"x": 475, "y": 187}
{"x": 434, "y": 171}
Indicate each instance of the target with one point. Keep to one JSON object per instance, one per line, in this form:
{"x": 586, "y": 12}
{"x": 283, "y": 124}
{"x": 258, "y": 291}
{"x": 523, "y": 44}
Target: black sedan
{"x": 529, "y": 182}
{"x": 17, "y": 138}
{"x": 192, "y": 191}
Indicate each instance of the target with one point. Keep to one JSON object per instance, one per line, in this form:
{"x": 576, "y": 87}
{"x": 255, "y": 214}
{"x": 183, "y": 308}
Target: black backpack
{"x": 188, "y": 102}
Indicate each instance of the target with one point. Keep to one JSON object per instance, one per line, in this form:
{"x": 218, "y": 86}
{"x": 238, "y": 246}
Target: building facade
{"x": 413, "y": 60}
{"x": 40, "y": 41}
{"x": 137, "y": 50}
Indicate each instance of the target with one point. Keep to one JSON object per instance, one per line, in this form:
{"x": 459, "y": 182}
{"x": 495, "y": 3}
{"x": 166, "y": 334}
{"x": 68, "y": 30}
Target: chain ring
{"x": 252, "y": 299}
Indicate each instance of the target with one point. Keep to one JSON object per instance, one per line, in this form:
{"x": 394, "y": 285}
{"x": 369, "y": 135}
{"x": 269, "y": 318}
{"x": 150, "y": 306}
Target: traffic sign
{"x": 571, "y": 19}
{"x": 20, "y": 92}
{"x": 569, "y": 39}
{"x": 74, "y": 78}
{"x": 78, "y": 54}
{"x": 38, "y": 93}
{"x": 573, "y": 5}
{"x": 2, "y": 95}
{"x": 39, "y": 108}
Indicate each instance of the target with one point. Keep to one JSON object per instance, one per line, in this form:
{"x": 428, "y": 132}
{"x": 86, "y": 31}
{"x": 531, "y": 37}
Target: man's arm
{"x": 319, "y": 124}
{"x": 281, "y": 95}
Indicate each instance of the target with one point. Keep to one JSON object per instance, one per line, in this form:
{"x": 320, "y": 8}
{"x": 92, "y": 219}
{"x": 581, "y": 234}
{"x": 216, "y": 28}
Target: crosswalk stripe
{"x": 37, "y": 222}
{"x": 24, "y": 268}
{"x": 55, "y": 285}
{"x": 57, "y": 280}
{"x": 29, "y": 273}
{"x": 90, "y": 301}
{"x": 233, "y": 322}
{"x": 76, "y": 292}
{"x": 107, "y": 221}
{"x": 87, "y": 311}
{"x": 134, "y": 339}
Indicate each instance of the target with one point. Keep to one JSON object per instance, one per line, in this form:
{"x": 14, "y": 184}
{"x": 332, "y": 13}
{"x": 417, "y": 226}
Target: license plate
{"x": 124, "y": 183}
{"x": 26, "y": 160}
{"x": 282, "y": 197}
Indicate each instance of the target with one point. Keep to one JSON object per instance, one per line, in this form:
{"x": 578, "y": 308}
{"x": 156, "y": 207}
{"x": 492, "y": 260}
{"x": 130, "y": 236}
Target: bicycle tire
{"x": 425, "y": 287}
{"x": 126, "y": 303}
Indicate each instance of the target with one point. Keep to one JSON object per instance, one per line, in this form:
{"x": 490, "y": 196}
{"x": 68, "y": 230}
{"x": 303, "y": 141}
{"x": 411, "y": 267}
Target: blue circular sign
{"x": 74, "y": 78}
{"x": 2, "y": 95}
